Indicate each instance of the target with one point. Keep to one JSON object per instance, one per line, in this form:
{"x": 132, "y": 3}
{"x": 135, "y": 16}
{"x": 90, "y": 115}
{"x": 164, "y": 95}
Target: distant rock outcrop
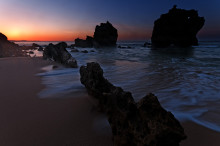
{"x": 59, "y": 54}
{"x": 133, "y": 124}
{"x": 178, "y": 27}
{"x": 9, "y": 49}
{"x": 88, "y": 43}
{"x": 105, "y": 35}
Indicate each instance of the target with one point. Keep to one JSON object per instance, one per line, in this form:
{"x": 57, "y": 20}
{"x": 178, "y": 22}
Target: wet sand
{"x": 27, "y": 120}
{"x": 199, "y": 135}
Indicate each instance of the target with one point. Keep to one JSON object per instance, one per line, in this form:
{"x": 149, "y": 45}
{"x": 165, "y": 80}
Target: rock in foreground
{"x": 9, "y": 49}
{"x": 59, "y": 54}
{"x": 142, "y": 123}
{"x": 105, "y": 35}
{"x": 178, "y": 27}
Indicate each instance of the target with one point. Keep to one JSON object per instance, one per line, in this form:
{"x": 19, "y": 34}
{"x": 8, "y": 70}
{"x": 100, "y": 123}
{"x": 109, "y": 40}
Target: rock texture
{"x": 178, "y": 27}
{"x": 133, "y": 124}
{"x": 9, "y": 49}
{"x": 105, "y": 35}
{"x": 88, "y": 43}
{"x": 59, "y": 54}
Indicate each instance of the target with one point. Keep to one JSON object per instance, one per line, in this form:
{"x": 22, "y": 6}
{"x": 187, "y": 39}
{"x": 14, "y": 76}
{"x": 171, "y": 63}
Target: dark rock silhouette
{"x": 84, "y": 51}
{"x": 74, "y": 50}
{"x": 142, "y": 123}
{"x": 124, "y": 47}
{"x": 34, "y": 46}
{"x": 9, "y": 49}
{"x": 178, "y": 27}
{"x": 105, "y": 35}
{"x": 59, "y": 54}
{"x": 3, "y": 37}
{"x": 88, "y": 43}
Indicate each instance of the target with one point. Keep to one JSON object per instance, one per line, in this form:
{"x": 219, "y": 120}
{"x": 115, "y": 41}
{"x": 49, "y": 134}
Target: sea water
{"x": 186, "y": 82}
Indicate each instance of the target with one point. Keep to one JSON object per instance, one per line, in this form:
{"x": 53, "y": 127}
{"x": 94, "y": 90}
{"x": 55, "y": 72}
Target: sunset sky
{"x": 65, "y": 20}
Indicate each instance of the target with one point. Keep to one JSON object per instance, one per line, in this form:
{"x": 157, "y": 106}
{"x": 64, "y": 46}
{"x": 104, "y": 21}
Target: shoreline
{"x": 199, "y": 135}
{"x": 29, "y": 120}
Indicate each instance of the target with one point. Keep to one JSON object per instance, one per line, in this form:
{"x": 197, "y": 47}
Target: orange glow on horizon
{"x": 17, "y": 36}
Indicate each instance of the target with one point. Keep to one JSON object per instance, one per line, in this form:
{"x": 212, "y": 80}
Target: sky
{"x": 65, "y": 20}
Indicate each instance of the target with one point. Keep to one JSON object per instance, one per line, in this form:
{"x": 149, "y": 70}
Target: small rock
{"x": 85, "y": 51}
{"x": 74, "y": 50}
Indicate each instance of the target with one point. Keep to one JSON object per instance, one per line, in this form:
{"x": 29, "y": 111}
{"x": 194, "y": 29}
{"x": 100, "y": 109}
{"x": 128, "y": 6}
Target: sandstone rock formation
{"x": 178, "y": 27}
{"x": 105, "y": 35}
{"x": 135, "y": 124}
{"x": 59, "y": 54}
{"x": 9, "y": 49}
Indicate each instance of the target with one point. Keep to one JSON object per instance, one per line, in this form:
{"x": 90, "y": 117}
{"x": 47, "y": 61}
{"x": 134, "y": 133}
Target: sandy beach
{"x": 27, "y": 120}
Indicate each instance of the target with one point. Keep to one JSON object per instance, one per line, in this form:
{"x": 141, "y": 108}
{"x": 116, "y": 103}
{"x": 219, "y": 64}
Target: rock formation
{"x": 136, "y": 124}
{"x": 34, "y": 46}
{"x": 9, "y": 49}
{"x": 59, "y": 54}
{"x": 178, "y": 27}
{"x": 105, "y": 35}
{"x": 88, "y": 43}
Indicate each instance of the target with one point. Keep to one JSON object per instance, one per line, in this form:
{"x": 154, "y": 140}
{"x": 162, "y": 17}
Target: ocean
{"x": 186, "y": 82}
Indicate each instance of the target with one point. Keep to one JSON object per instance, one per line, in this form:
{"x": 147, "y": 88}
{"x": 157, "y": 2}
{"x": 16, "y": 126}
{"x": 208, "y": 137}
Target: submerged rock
{"x": 105, "y": 35}
{"x": 9, "y": 49}
{"x": 178, "y": 27}
{"x": 59, "y": 54}
{"x": 84, "y": 51}
{"x": 142, "y": 123}
{"x": 74, "y": 50}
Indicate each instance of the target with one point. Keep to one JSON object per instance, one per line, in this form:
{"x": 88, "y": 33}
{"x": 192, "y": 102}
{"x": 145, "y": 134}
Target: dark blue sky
{"x": 133, "y": 18}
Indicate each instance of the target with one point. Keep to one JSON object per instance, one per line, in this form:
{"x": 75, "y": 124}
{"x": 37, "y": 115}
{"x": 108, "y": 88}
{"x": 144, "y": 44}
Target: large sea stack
{"x": 9, "y": 49}
{"x": 178, "y": 27}
{"x": 145, "y": 123}
{"x": 105, "y": 35}
{"x": 59, "y": 54}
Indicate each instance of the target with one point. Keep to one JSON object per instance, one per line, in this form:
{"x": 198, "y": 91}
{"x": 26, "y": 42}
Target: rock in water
{"x": 105, "y": 35}
{"x": 9, "y": 49}
{"x": 88, "y": 43}
{"x": 178, "y": 27}
{"x": 59, "y": 54}
{"x": 135, "y": 124}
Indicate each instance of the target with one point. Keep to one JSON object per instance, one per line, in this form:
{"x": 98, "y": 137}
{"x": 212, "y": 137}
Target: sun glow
{"x": 14, "y": 33}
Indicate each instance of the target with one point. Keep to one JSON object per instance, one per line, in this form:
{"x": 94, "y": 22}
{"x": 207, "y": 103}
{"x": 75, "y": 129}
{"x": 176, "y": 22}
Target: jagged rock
{"x": 105, "y": 35}
{"x": 178, "y": 27}
{"x": 9, "y": 49}
{"x": 59, "y": 54}
{"x": 3, "y": 37}
{"x": 88, "y": 43}
{"x": 135, "y": 124}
